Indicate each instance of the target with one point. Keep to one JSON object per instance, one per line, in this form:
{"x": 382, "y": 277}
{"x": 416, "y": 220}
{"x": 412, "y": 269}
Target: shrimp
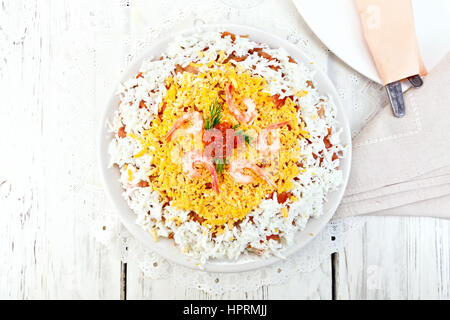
{"x": 246, "y": 117}
{"x": 236, "y": 171}
{"x": 261, "y": 141}
{"x": 192, "y": 158}
{"x": 196, "y": 128}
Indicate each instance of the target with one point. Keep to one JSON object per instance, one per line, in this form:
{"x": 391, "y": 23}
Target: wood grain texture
{"x": 46, "y": 250}
{"x": 396, "y": 258}
{"x": 59, "y": 61}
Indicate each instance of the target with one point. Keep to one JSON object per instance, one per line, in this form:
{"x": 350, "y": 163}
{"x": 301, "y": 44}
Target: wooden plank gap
{"x": 123, "y": 281}
{"x": 334, "y": 268}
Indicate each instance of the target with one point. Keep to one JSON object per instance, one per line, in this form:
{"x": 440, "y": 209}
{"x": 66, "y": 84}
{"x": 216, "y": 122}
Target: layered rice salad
{"x": 225, "y": 146}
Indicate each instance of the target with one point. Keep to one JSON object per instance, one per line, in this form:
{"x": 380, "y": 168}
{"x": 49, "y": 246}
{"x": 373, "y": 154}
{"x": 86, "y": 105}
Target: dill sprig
{"x": 248, "y": 139}
{"x": 220, "y": 165}
{"x": 215, "y": 115}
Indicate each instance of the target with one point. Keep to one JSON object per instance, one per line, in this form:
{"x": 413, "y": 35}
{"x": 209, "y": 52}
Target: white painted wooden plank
{"x": 396, "y": 258}
{"x": 48, "y": 182}
{"x": 313, "y": 285}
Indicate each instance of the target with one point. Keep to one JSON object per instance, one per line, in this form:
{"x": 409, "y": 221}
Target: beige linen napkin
{"x": 401, "y": 166}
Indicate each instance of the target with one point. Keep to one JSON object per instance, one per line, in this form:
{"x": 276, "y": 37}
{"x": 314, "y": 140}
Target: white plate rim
{"x": 336, "y": 51}
{"x": 245, "y": 263}
{"x": 364, "y": 68}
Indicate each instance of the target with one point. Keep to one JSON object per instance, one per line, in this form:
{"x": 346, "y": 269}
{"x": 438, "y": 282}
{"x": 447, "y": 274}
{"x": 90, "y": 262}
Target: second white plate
{"x": 337, "y": 25}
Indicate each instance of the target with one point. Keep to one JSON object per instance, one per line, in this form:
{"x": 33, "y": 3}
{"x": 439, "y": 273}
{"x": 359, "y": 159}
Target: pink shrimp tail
{"x": 278, "y": 125}
{"x": 195, "y": 128}
{"x": 230, "y": 98}
{"x": 214, "y": 177}
{"x": 245, "y": 117}
{"x": 169, "y": 134}
{"x": 194, "y": 157}
{"x": 263, "y": 175}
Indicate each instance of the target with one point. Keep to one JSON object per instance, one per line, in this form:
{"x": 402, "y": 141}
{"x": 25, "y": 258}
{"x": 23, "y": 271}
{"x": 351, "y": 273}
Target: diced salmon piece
{"x": 142, "y": 105}
{"x": 283, "y": 196}
{"x": 191, "y": 69}
{"x": 234, "y": 57}
{"x": 226, "y": 33}
{"x": 143, "y": 184}
{"x": 195, "y": 217}
{"x": 277, "y": 101}
{"x": 321, "y": 112}
{"x": 188, "y": 68}
{"x": 161, "y": 111}
{"x": 275, "y": 237}
{"x": 326, "y": 140}
{"x": 122, "y": 133}
{"x": 262, "y": 54}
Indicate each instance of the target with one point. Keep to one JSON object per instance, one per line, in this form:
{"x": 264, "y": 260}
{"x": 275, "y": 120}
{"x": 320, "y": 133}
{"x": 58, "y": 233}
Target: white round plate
{"x": 337, "y": 24}
{"x": 165, "y": 247}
